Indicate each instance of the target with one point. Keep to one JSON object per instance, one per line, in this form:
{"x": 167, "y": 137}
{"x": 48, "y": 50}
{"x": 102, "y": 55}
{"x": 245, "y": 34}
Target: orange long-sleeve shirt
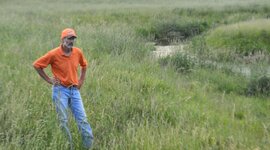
{"x": 65, "y": 68}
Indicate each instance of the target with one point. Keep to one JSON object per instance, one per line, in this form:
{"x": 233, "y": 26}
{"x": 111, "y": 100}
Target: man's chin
{"x": 69, "y": 46}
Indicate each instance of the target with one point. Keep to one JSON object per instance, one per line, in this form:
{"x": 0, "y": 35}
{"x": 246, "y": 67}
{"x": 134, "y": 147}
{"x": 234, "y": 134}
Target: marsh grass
{"x": 131, "y": 101}
{"x": 244, "y": 37}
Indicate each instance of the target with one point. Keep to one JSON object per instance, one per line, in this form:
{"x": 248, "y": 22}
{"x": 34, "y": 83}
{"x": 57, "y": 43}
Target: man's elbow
{"x": 37, "y": 68}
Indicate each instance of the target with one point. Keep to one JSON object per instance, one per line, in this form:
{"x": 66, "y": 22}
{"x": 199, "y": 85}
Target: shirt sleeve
{"x": 83, "y": 61}
{"x": 43, "y": 61}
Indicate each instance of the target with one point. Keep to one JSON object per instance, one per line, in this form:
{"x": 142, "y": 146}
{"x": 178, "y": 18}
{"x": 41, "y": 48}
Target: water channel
{"x": 244, "y": 69}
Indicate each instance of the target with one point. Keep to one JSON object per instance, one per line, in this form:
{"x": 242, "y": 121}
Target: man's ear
{"x": 62, "y": 40}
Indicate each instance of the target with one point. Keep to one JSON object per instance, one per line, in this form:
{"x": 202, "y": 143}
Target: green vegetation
{"x": 244, "y": 37}
{"x": 260, "y": 86}
{"x": 180, "y": 61}
{"x": 134, "y": 101}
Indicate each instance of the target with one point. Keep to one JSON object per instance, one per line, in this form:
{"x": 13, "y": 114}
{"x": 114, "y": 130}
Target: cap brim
{"x": 72, "y": 36}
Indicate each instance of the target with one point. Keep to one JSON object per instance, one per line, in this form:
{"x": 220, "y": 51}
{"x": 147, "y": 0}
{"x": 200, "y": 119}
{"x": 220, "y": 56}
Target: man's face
{"x": 68, "y": 41}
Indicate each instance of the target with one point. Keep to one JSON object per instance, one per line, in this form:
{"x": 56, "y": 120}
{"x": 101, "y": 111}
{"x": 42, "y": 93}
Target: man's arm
{"x": 82, "y": 77}
{"x": 46, "y": 78}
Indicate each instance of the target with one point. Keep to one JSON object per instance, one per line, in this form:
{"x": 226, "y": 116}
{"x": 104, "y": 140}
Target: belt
{"x": 70, "y": 86}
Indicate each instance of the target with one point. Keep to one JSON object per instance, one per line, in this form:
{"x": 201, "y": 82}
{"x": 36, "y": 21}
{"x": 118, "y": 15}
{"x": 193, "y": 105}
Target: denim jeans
{"x": 65, "y": 98}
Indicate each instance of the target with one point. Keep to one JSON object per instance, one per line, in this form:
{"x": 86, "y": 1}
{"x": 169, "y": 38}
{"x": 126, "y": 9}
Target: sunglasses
{"x": 71, "y": 38}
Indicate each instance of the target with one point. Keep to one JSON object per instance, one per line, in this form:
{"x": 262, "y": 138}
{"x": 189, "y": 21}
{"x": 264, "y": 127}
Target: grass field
{"x": 134, "y": 101}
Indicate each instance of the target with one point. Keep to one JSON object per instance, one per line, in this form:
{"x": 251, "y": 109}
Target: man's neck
{"x": 67, "y": 51}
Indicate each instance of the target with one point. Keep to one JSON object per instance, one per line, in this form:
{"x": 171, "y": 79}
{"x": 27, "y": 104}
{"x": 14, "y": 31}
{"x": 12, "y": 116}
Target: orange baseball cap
{"x": 68, "y": 32}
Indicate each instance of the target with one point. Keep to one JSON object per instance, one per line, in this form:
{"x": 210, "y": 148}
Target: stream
{"x": 245, "y": 70}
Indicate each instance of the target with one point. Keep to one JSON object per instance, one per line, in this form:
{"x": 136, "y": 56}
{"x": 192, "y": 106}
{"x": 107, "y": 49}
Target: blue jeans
{"x": 70, "y": 97}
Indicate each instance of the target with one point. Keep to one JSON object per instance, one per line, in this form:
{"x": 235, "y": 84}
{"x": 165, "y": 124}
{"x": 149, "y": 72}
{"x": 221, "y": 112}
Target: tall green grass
{"x": 131, "y": 101}
{"x": 244, "y": 37}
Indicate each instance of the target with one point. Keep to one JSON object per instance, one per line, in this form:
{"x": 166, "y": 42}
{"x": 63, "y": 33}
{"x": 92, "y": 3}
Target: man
{"x": 64, "y": 61}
